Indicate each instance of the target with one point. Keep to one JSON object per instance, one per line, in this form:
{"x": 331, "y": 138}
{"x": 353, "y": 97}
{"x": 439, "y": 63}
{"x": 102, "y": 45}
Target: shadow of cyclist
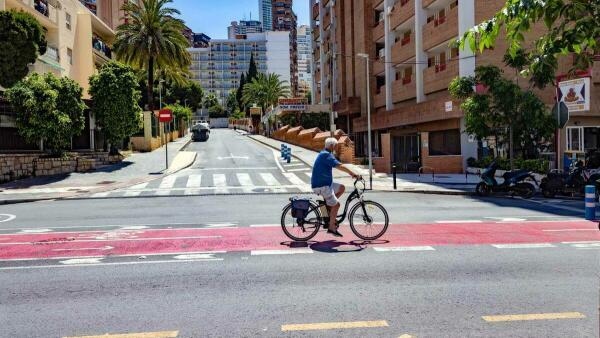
{"x": 333, "y": 246}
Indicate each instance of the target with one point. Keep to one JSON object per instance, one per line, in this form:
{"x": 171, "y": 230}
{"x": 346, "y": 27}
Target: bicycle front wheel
{"x": 368, "y": 220}
{"x": 300, "y": 230}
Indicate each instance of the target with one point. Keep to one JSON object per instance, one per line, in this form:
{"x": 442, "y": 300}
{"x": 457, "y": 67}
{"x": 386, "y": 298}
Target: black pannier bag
{"x": 300, "y": 207}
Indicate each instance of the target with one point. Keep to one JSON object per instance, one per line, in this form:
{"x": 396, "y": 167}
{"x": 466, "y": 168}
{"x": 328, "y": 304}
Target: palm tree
{"x": 265, "y": 90}
{"x": 152, "y": 38}
{"x": 210, "y": 100}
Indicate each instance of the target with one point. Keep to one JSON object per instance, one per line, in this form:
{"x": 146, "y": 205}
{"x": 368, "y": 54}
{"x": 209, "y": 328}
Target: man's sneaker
{"x": 335, "y": 233}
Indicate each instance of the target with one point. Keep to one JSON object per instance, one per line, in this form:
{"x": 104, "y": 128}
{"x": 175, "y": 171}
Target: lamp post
{"x": 366, "y": 57}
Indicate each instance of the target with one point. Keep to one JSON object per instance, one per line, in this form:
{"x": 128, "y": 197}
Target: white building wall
{"x": 278, "y": 54}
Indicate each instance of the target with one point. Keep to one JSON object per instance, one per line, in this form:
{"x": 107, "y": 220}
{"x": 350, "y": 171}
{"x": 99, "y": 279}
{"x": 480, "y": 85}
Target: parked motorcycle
{"x": 572, "y": 182}
{"x": 514, "y": 182}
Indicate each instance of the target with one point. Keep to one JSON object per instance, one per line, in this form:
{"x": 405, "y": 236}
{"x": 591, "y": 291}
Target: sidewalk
{"x": 135, "y": 169}
{"x": 451, "y": 184}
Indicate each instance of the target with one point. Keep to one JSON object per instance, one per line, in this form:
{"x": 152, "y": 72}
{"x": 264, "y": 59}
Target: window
{"x": 454, "y": 53}
{"x": 70, "y": 55}
{"x": 445, "y": 142}
{"x": 68, "y": 20}
{"x": 574, "y": 139}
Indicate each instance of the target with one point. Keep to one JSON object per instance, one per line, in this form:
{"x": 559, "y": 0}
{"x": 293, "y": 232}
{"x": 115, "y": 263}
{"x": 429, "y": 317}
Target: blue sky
{"x": 213, "y": 16}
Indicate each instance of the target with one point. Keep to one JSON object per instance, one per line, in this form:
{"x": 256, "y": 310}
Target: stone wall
{"x": 315, "y": 139}
{"x": 19, "y": 166}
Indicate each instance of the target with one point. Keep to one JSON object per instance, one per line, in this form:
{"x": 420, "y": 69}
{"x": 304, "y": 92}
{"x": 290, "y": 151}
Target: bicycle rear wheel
{"x": 301, "y": 230}
{"x": 368, "y": 220}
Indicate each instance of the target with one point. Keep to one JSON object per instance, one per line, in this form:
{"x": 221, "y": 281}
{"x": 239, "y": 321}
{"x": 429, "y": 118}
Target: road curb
{"x": 270, "y": 146}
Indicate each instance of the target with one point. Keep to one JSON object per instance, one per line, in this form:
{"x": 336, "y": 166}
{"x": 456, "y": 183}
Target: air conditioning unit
{"x": 382, "y": 53}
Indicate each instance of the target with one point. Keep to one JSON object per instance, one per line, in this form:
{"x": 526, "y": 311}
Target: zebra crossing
{"x": 211, "y": 183}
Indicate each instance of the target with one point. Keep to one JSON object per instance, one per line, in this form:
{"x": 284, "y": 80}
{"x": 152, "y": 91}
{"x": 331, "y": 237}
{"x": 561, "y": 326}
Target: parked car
{"x": 200, "y": 132}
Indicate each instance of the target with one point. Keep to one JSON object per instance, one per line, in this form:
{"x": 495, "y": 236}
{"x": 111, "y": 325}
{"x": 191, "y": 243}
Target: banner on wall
{"x": 575, "y": 94}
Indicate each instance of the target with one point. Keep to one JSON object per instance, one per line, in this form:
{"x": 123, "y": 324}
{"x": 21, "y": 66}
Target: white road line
{"x": 167, "y": 182}
{"x": 110, "y": 226}
{"x": 163, "y": 192}
{"x": 101, "y": 194}
{"x": 34, "y": 231}
{"x": 586, "y": 245}
{"x": 568, "y": 230}
{"x": 131, "y": 193}
{"x": 219, "y": 180}
{"x": 139, "y": 186}
{"x": 244, "y": 179}
{"x": 269, "y": 179}
{"x": 293, "y": 165}
{"x": 281, "y": 252}
{"x": 276, "y": 156}
{"x": 113, "y": 240}
{"x": 579, "y": 242}
{"x": 194, "y": 181}
{"x": 7, "y": 217}
{"x": 404, "y": 248}
{"x": 302, "y": 169}
{"x": 309, "y": 174}
{"x": 112, "y": 256}
{"x": 461, "y": 221}
{"x": 233, "y": 168}
{"x": 524, "y": 246}
{"x": 81, "y": 261}
{"x": 109, "y": 264}
{"x": 264, "y": 225}
{"x": 294, "y": 179}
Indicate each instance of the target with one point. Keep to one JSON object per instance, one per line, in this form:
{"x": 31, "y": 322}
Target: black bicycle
{"x": 302, "y": 218}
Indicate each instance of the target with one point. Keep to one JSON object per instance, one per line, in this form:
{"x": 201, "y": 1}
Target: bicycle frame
{"x": 354, "y": 195}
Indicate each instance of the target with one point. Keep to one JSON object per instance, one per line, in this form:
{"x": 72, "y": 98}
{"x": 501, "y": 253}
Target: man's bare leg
{"x": 333, "y": 217}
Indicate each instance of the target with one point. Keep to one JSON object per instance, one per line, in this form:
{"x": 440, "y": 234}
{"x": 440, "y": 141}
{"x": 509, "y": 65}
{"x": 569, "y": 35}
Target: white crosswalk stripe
{"x": 194, "y": 181}
{"x": 247, "y": 182}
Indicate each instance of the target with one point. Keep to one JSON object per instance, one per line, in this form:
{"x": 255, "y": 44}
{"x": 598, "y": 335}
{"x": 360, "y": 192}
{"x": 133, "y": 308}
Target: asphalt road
{"x": 219, "y": 266}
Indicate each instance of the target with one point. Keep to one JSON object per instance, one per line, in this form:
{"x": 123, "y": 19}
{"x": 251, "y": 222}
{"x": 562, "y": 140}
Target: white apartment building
{"x": 218, "y": 67}
{"x": 304, "y": 60}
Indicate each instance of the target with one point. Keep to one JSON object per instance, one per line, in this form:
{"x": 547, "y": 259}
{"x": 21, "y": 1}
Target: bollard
{"x": 590, "y": 202}
{"x": 282, "y": 149}
{"x": 289, "y": 155}
{"x": 394, "y": 173}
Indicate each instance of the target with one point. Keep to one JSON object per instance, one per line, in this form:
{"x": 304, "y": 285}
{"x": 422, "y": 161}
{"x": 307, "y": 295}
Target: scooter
{"x": 514, "y": 182}
{"x": 570, "y": 183}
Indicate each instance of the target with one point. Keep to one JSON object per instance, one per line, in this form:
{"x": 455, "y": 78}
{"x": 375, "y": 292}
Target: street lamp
{"x": 366, "y": 57}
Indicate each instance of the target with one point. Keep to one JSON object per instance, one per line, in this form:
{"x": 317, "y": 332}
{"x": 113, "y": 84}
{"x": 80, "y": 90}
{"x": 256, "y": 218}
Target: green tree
{"x": 231, "y": 104}
{"x": 571, "y": 27}
{"x": 252, "y": 70}
{"x": 115, "y": 96}
{"x": 181, "y": 113}
{"x": 265, "y": 90}
{"x": 240, "y": 92}
{"x": 152, "y": 38}
{"x": 308, "y": 96}
{"x": 22, "y": 40}
{"x": 210, "y": 101}
{"x": 501, "y": 105}
{"x": 216, "y": 111}
{"x": 49, "y": 109}
{"x": 238, "y": 114}
{"x": 189, "y": 93}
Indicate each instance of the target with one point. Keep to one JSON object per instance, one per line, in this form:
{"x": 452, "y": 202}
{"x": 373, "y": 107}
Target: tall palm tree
{"x": 152, "y": 38}
{"x": 265, "y": 90}
{"x": 210, "y": 100}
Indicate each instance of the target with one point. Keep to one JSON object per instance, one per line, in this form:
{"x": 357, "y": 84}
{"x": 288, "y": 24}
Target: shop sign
{"x": 575, "y": 94}
{"x": 255, "y": 111}
{"x": 293, "y": 104}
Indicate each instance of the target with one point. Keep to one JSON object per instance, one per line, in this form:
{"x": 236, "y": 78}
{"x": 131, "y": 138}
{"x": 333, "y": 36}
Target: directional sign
{"x": 165, "y": 115}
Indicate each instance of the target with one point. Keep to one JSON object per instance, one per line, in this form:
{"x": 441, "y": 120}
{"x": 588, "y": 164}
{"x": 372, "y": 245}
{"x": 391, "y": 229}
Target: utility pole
{"x": 370, "y": 153}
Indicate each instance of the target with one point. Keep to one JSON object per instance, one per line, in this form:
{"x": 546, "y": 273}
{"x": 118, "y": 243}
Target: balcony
{"x": 46, "y": 11}
{"x": 404, "y": 89}
{"x": 326, "y": 20}
{"x": 441, "y": 29}
{"x": 378, "y": 66}
{"x": 404, "y": 49}
{"x": 315, "y": 11}
{"x": 378, "y": 31}
{"x": 51, "y": 54}
{"x": 403, "y": 10}
{"x": 102, "y": 49}
{"x": 316, "y": 33}
{"x": 379, "y": 99}
{"x": 438, "y": 77}
{"x": 426, "y": 3}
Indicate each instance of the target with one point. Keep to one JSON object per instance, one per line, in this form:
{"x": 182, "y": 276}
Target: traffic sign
{"x": 165, "y": 115}
{"x": 561, "y": 114}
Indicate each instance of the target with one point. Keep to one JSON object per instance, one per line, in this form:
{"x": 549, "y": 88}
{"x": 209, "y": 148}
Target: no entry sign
{"x": 165, "y": 115}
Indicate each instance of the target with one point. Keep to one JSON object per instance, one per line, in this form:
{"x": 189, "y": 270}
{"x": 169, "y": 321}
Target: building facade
{"x": 79, "y": 35}
{"x": 244, "y": 27}
{"x": 415, "y": 122}
{"x": 284, "y": 19}
{"x": 201, "y": 40}
{"x": 304, "y": 60}
{"x": 218, "y": 67}
{"x": 265, "y": 12}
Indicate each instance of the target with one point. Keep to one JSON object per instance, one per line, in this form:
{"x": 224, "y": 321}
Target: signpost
{"x": 166, "y": 116}
{"x": 293, "y": 104}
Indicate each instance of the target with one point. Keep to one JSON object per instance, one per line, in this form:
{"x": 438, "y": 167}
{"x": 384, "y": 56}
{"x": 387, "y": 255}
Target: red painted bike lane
{"x": 167, "y": 241}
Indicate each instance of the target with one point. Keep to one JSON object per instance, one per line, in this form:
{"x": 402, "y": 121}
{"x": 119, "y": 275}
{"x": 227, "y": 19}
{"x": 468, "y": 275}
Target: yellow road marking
{"x": 534, "y": 316}
{"x": 163, "y": 334}
{"x": 335, "y": 325}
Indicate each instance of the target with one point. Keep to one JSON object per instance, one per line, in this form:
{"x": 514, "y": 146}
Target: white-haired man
{"x": 322, "y": 182}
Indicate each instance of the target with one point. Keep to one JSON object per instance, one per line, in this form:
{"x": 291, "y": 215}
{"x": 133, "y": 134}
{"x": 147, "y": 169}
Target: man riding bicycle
{"x": 322, "y": 182}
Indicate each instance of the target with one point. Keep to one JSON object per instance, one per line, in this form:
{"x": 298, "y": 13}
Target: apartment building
{"x": 244, "y": 27}
{"x": 415, "y": 122}
{"x": 284, "y": 19}
{"x": 79, "y": 35}
{"x": 265, "y": 12}
{"x": 304, "y": 60}
{"x": 218, "y": 67}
